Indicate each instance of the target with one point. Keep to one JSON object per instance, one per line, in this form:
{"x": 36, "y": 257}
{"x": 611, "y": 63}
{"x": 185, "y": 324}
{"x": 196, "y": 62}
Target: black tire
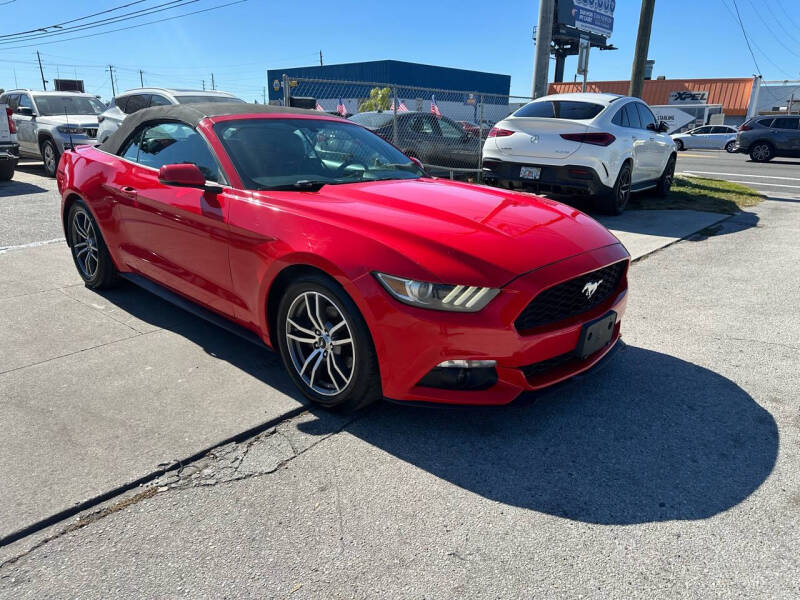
{"x": 89, "y": 251}
{"x": 730, "y": 147}
{"x": 762, "y": 152}
{"x": 7, "y": 169}
{"x": 335, "y": 358}
{"x": 50, "y": 156}
{"x": 667, "y": 178}
{"x": 615, "y": 201}
{"x": 679, "y": 145}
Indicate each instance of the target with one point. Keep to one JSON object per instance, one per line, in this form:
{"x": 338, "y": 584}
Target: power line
{"x": 172, "y": 4}
{"x": 756, "y": 46}
{"x": 74, "y": 20}
{"x": 771, "y": 31}
{"x": 746, "y": 39}
{"x": 81, "y": 37}
{"x": 791, "y": 20}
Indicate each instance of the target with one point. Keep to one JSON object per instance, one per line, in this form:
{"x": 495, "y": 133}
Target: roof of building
{"x": 732, "y": 94}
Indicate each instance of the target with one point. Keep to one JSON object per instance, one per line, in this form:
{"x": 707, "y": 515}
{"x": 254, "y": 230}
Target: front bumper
{"x": 567, "y": 180}
{"x": 410, "y": 341}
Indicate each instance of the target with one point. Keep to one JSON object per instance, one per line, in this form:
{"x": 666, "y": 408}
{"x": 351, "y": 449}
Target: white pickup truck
{"x": 9, "y": 148}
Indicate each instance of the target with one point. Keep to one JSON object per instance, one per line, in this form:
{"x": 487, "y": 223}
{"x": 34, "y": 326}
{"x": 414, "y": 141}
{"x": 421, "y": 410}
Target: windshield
{"x": 294, "y": 153}
{"x": 201, "y": 98}
{"x": 50, "y": 106}
{"x": 560, "y": 109}
{"x": 372, "y": 120}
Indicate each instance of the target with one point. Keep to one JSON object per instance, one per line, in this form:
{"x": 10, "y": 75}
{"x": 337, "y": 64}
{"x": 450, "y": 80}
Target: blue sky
{"x": 697, "y": 38}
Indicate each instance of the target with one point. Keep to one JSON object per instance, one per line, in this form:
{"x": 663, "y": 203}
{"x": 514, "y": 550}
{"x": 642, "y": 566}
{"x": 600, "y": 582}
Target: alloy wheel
{"x": 84, "y": 244}
{"x": 49, "y": 155}
{"x": 761, "y": 152}
{"x": 320, "y": 343}
{"x": 624, "y": 188}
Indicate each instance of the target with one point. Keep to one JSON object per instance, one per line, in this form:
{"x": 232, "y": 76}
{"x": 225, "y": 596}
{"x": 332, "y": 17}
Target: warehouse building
{"x": 458, "y": 92}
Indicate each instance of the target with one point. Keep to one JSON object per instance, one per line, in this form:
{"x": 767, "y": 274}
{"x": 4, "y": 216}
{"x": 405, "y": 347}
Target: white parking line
{"x": 4, "y": 249}
{"x": 739, "y": 175}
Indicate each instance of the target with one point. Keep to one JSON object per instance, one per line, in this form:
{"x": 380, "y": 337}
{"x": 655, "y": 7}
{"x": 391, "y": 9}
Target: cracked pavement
{"x": 670, "y": 473}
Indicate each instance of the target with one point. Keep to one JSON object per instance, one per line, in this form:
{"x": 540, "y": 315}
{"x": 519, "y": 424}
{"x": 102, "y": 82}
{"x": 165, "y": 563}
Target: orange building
{"x": 732, "y": 94}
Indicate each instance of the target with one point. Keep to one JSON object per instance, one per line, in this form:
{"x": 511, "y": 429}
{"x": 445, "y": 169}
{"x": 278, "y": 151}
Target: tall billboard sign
{"x": 592, "y": 16}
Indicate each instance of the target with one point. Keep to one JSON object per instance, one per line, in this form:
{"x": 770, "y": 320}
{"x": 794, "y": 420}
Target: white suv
{"x": 134, "y": 100}
{"x": 603, "y": 145}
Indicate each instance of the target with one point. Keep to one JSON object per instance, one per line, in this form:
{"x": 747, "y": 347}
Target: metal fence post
{"x": 394, "y": 117}
{"x": 479, "y": 178}
{"x": 286, "y": 91}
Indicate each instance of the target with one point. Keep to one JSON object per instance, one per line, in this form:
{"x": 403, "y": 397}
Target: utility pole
{"x": 41, "y": 71}
{"x": 16, "y": 85}
{"x": 264, "y": 93}
{"x": 113, "y": 88}
{"x": 544, "y": 36}
{"x": 320, "y": 58}
{"x": 204, "y": 85}
{"x": 642, "y": 47}
{"x": 141, "y": 77}
{"x": 212, "y": 82}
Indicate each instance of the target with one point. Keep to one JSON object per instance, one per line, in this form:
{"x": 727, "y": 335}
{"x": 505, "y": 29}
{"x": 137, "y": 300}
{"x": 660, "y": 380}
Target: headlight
{"x": 71, "y": 129}
{"x": 437, "y": 296}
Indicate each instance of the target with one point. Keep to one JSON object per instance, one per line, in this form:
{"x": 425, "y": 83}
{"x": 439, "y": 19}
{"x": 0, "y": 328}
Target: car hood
{"x": 74, "y": 120}
{"x": 457, "y": 232}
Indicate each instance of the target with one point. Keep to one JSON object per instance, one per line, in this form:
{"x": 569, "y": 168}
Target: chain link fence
{"x": 443, "y": 129}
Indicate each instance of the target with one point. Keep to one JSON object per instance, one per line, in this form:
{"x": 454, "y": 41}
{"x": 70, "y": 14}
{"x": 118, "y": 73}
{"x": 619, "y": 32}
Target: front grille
{"x": 545, "y": 366}
{"x": 570, "y": 298}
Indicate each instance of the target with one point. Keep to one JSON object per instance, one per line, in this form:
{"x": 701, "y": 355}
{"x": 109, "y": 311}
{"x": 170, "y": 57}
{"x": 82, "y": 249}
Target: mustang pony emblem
{"x": 590, "y": 288}
{"x": 534, "y": 139}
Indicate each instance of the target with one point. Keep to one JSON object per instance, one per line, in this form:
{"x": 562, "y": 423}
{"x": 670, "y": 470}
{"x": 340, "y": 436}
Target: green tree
{"x": 379, "y": 99}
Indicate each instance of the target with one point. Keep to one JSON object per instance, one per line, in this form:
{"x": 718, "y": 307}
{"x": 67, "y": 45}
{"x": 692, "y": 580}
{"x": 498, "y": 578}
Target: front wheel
{"x": 50, "y": 156}
{"x": 89, "y": 251}
{"x": 326, "y": 346}
{"x": 730, "y": 147}
{"x": 615, "y": 201}
{"x": 679, "y": 145}
{"x": 667, "y": 178}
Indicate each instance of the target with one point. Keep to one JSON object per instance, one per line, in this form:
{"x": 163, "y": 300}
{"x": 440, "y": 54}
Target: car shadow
{"x": 19, "y": 188}
{"x": 257, "y": 361}
{"x": 32, "y": 167}
{"x": 649, "y": 438}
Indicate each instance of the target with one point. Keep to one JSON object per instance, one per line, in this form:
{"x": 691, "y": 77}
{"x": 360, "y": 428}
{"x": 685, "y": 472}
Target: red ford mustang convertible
{"x": 315, "y": 237}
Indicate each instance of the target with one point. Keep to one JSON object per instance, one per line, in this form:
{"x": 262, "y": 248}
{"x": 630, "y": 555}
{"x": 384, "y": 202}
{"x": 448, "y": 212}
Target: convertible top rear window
{"x": 373, "y": 120}
{"x": 560, "y": 109}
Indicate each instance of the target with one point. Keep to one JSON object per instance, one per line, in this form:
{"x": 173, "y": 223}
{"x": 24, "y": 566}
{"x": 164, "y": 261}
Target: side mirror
{"x": 186, "y": 175}
{"x": 663, "y": 127}
{"x": 25, "y": 111}
{"x": 652, "y": 127}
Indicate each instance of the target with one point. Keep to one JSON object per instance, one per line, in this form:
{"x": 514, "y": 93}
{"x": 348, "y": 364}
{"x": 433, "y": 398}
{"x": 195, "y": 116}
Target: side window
{"x": 765, "y": 122}
{"x": 137, "y": 102}
{"x": 645, "y": 115}
{"x": 131, "y": 149}
{"x": 13, "y": 101}
{"x": 785, "y": 123}
{"x": 450, "y": 131}
{"x": 720, "y": 130}
{"x": 702, "y": 130}
{"x": 121, "y": 103}
{"x": 621, "y": 118}
{"x": 25, "y": 101}
{"x": 156, "y": 100}
{"x": 174, "y": 143}
{"x": 633, "y": 116}
{"x": 422, "y": 125}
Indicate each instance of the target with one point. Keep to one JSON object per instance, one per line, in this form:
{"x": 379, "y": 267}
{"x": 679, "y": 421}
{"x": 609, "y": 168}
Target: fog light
{"x": 467, "y": 364}
{"x": 461, "y": 375}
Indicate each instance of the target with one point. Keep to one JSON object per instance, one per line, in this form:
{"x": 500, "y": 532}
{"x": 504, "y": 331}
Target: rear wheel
{"x": 89, "y": 251}
{"x": 50, "y": 156}
{"x": 762, "y": 152}
{"x": 615, "y": 201}
{"x": 730, "y": 147}
{"x": 326, "y": 346}
{"x": 667, "y": 178}
{"x": 6, "y": 170}
{"x": 679, "y": 145}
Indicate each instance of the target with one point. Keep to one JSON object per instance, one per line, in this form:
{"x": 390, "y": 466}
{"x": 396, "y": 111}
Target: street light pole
{"x": 642, "y": 47}
{"x": 544, "y": 36}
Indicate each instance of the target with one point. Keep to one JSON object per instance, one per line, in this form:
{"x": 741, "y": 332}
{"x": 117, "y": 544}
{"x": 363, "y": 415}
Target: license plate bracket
{"x": 596, "y": 334}
{"x": 530, "y": 172}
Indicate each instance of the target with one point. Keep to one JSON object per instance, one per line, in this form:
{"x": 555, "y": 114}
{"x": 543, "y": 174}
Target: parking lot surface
{"x": 672, "y": 471}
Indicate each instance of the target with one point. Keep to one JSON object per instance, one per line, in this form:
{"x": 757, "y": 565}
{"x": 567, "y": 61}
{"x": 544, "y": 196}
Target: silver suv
{"x": 46, "y": 121}
{"x": 135, "y": 100}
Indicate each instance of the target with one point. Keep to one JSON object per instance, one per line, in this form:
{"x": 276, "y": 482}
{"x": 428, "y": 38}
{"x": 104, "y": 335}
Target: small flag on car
{"x": 340, "y": 108}
{"x": 435, "y": 109}
{"x": 319, "y": 107}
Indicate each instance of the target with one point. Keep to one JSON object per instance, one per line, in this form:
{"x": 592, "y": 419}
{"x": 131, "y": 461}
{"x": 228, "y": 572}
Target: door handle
{"x": 128, "y": 192}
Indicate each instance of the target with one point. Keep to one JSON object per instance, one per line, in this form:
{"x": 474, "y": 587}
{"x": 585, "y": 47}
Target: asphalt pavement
{"x": 670, "y": 473}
